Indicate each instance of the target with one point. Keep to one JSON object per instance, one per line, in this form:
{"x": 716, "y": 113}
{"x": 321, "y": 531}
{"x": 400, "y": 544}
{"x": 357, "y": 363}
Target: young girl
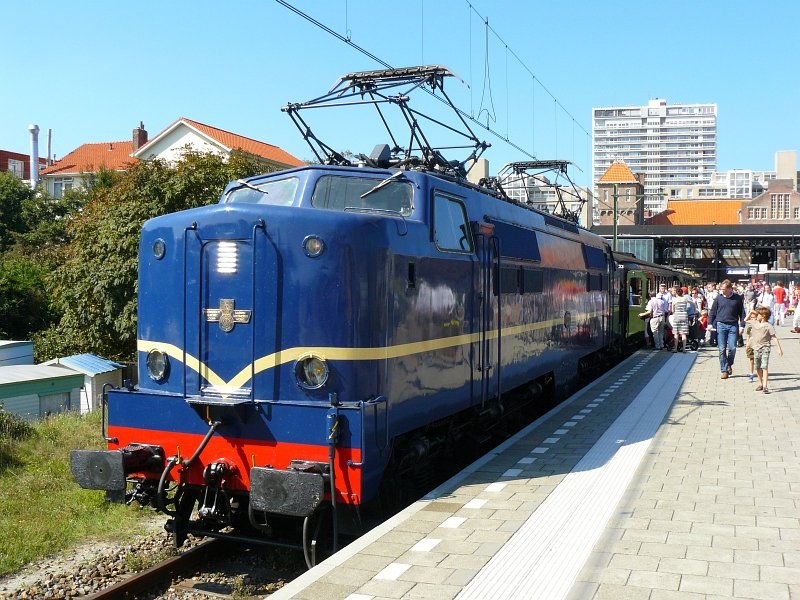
{"x": 761, "y": 335}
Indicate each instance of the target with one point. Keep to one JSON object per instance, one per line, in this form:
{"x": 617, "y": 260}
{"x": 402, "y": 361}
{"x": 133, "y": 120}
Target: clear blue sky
{"x": 91, "y": 70}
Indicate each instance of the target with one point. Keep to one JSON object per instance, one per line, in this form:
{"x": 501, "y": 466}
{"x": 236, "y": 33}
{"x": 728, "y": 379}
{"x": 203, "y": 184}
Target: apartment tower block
{"x": 670, "y": 144}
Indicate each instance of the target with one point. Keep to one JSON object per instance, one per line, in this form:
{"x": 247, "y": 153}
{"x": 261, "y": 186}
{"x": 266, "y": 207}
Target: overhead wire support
{"x": 372, "y": 88}
{"x": 522, "y": 64}
{"x": 350, "y": 43}
{"x": 534, "y": 170}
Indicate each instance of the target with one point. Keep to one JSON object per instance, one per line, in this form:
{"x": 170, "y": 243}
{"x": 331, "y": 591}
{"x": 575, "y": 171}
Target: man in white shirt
{"x": 657, "y": 308}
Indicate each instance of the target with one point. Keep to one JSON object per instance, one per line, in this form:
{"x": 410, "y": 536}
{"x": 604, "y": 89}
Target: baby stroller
{"x": 669, "y": 337}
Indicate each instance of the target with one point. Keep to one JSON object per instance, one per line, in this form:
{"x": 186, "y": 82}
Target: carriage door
{"x": 488, "y": 251}
{"x": 453, "y": 237}
{"x": 487, "y": 304}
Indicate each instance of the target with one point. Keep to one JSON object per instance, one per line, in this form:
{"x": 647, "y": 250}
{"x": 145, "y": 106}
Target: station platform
{"x": 658, "y": 481}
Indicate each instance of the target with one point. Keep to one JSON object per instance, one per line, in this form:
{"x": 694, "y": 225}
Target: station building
{"x": 714, "y": 238}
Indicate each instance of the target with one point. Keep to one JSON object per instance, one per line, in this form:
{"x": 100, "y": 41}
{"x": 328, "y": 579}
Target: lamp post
{"x": 616, "y": 219}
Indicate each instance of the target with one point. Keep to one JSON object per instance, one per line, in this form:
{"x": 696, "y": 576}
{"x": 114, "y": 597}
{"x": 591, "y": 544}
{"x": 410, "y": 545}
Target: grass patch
{"x": 42, "y": 509}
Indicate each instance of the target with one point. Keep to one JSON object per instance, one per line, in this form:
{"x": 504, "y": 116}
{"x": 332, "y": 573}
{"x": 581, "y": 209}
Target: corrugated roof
{"x": 699, "y": 212}
{"x": 12, "y": 343}
{"x": 88, "y": 364}
{"x": 90, "y": 158}
{"x": 618, "y": 172}
{"x": 21, "y": 373}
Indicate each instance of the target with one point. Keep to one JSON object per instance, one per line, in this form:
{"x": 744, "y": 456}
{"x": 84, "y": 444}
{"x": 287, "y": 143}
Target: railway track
{"x": 139, "y": 583}
{"x": 216, "y": 568}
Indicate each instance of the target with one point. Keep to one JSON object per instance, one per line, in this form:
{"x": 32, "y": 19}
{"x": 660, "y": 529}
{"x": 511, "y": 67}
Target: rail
{"x": 135, "y": 585}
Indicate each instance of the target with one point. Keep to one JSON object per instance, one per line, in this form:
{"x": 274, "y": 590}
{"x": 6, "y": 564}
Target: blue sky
{"x": 91, "y": 71}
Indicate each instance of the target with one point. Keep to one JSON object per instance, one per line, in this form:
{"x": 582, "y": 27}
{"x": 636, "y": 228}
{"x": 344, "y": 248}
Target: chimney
{"x": 34, "y": 129}
{"x": 139, "y": 137}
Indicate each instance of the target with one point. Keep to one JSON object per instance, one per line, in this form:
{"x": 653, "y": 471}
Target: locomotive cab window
{"x": 450, "y": 227}
{"x": 363, "y": 194}
{"x": 276, "y": 192}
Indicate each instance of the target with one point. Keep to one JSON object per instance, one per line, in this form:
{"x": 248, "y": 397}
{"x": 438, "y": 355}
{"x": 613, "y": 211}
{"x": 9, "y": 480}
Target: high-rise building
{"x": 671, "y": 144}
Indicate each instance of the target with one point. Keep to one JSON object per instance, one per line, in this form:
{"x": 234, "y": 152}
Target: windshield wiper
{"x": 383, "y": 183}
{"x": 242, "y": 183}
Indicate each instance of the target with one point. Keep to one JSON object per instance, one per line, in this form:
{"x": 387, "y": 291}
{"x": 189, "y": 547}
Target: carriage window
{"x": 363, "y": 194}
{"x": 277, "y": 192}
{"x": 635, "y": 292}
{"x": 450, "y": 227}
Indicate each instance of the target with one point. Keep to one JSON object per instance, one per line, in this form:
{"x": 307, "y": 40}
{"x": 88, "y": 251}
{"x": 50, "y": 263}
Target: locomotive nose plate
{"x": 98, "y": 469}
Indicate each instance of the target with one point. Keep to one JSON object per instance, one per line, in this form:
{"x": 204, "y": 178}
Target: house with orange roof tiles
{"x": 76, "y": 168}
{"x": 185, "y": 134}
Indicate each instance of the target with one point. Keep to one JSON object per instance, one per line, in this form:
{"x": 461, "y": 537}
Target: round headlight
{"x": 159, "y": 249}
{"x": 311, "y": 372}
{"x": 313, "y": 246}
{"x": 157, "y": 365}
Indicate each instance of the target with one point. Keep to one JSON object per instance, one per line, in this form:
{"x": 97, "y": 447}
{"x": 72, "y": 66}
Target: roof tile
{"x": 89, "y": 158}
{"x": 618, "y": 172}
{"x": 245, "y": 144}
{"x": 699, "y": 212}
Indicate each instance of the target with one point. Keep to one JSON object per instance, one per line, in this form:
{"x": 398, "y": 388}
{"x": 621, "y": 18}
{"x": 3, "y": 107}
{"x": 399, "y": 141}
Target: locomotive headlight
{"x": 313, "y": 246}
{"x": 159, "y": 249}
{"x": 157, "y": 365}
{"x": 311, "y": 372}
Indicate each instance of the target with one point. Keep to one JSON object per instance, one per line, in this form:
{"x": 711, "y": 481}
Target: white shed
{"x": 97, "y": 372}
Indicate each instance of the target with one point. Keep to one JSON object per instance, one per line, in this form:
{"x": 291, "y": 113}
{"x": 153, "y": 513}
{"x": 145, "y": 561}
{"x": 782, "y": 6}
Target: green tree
{"x": 23, "y": 302}
{"x": 46, "y": 220}
{"x": 95, "y": 288}
{"x": 13, "y": 192}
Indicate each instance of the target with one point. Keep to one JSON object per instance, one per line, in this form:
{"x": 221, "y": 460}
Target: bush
{"x": 12, "y": 429}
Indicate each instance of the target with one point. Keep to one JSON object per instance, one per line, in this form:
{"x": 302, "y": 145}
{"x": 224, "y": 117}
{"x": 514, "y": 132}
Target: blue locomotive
{"x": 314, "y": 341}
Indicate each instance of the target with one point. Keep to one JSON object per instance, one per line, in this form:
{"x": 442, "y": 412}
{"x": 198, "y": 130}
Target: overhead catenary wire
{"x": 347, "y": 39}
{"x": 365, "y": 52}
{"x": 446, "y": 100}
{"x": 487, "y": 79}
{"x": 523, "y": 65}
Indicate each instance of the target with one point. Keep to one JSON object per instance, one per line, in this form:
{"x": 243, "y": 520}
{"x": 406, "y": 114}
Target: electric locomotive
{"x": 310, "y": 344}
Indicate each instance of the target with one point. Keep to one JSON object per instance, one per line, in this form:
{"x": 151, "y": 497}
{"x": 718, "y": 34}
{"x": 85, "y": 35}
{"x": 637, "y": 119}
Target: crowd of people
{"x": 727, "y": 316}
